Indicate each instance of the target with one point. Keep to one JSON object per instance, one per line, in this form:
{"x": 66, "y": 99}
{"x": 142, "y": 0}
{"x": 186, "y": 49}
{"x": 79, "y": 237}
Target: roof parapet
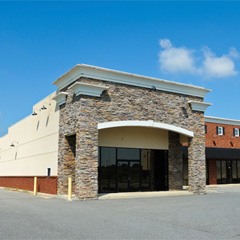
{"x": 104, "y": 74}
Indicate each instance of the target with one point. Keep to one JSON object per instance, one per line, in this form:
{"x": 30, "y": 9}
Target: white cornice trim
{"x": 149, "y": 123}
{"x": 60, "y": 98}
{"x": 199, "y": 106}
{"x": 222, "y": 120}
{"x": 83, "y": 70}
{"x": 87, "y": 89}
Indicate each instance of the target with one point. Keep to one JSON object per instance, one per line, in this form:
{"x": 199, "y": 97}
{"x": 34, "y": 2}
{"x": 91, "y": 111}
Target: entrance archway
{"x": 147, "y": 124}
{"x": 133, "y": 155}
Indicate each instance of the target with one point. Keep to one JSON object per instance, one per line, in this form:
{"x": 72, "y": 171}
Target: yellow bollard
{"x": 35, "y": 186}
{"x": 69, "y": 188}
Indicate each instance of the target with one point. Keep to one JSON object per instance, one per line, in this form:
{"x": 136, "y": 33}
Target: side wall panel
{"x": 44, "y": 185}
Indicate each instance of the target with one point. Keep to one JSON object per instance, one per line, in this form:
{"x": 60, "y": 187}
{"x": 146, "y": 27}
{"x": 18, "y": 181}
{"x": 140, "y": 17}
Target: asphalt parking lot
{"x": 215, "y": 215}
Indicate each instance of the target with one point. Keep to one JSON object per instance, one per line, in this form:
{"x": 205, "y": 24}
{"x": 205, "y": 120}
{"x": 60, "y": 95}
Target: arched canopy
{"x": 149, "y": 124}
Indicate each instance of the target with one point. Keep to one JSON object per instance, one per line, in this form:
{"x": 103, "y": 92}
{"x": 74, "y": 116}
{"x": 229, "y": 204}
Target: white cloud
{"x": 233, "y": 53}
{"x": 218, "y": 67}
{"x": 165, "y": 43}
{"x": 182, "y": 60}
{"x": 175, "y": 59}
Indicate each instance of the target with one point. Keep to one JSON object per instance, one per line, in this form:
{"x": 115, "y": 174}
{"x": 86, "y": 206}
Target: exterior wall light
{"x": 13, "y": 144}
{"x": 43, "y": 107}
{"x": 153, "y": 88}
{"x": 34, "y": 113}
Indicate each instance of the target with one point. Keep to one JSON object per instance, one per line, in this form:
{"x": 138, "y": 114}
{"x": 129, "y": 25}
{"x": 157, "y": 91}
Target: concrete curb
{"x": 143, "y": 195}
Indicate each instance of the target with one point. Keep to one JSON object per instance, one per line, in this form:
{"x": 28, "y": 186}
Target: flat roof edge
{"x": 84, "y": 70}
{"x": 219, "y": 120}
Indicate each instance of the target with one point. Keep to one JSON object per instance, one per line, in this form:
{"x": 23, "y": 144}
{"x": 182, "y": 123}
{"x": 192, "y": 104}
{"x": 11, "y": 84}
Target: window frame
{"x": 220, "y": 130}
{"x": 236, "y": 132}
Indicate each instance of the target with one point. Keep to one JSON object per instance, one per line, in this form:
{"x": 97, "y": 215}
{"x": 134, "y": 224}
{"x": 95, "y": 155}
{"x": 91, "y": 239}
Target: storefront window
{"x": 224, "y": 172}
{"x": 129, "y": 169}
{"x": 228, "y": 171}
{"x": 107, "y": 171}
{"x": 128, "y": 154}
{"x": 238, "y": 172}
{"x": 219, "y": 172}
{"x": 234, "y": 171}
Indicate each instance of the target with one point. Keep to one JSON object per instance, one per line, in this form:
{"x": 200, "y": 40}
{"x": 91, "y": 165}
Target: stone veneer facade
{"x": 80, "y": 115}
{"x": 175, "y": 162}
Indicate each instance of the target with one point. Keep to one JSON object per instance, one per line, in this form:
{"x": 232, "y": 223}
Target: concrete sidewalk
{"x": 127, "y": 195}
{"x": 224, "y": 188}
{"x": 209, "y": 189}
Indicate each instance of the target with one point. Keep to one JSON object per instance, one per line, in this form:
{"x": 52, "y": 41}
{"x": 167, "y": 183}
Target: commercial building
{"x": 111, "y": 131}
{"x": 30, "y": 149}
{"x": 222, "y": 150}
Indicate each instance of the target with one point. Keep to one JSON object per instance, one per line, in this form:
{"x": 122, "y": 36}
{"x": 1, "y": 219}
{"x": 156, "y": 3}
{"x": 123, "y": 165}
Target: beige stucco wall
{"x": 133, "y": 137}
{"x": 36, "y": 143}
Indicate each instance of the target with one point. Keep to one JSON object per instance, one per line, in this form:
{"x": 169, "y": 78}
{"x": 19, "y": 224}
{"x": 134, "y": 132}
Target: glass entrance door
{"x": 128, "y": 176}
{"x": 134, "y": 176}
{"x": 132, "y": 170}
{"x": 228, "y": 171}
{"x": 122, "y": 176}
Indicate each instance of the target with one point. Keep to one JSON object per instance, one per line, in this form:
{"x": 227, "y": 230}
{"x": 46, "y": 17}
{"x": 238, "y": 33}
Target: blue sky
{"x": 188, "y": 42}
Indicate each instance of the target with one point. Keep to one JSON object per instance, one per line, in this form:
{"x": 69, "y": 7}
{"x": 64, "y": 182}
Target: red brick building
{"x": 222, "y": 150}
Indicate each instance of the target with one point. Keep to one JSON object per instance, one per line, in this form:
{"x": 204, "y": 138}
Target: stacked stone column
{"x": 87, "y": 162}
{"x": 175, "y": 162}
{"x": 66, "y": 165}
{"x": 196, "y": 160}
